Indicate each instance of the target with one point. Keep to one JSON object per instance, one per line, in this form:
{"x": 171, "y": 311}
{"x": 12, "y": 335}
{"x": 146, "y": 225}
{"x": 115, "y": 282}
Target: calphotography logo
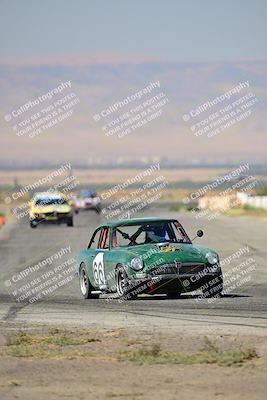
{"x": 137, "y": 110}
{"x": 44, "y": 112}
{"x": 236, "y": 110}
{"x": 36, "y": 282}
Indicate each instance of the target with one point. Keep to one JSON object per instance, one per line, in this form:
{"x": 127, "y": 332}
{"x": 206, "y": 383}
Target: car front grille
{"x": 56, "y": 214}
{"x": 191, "y": 268}
{"x": 178, "y": 268}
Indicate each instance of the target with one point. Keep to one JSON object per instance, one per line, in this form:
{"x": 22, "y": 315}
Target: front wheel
{"x": 85, "y": 286}
{"x": 70, "y": 222}
{"x": 123, "y": 286}
{"x": 33, "y": 224}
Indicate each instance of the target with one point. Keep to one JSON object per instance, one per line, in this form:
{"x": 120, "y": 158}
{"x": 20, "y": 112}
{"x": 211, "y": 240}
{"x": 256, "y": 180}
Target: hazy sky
{"x": 110, "y": 49}
{"x": 191, "y": 30}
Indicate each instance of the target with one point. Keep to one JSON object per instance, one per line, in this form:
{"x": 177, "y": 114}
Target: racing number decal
{"x": 98, "y": 269}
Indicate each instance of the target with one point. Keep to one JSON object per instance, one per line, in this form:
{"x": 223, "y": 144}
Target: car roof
{"x": 135, "y": 221}
{"x": 50, "y": 195}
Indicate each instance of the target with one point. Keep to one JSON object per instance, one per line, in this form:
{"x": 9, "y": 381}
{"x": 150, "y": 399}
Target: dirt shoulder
{"x": 47, "y": 362}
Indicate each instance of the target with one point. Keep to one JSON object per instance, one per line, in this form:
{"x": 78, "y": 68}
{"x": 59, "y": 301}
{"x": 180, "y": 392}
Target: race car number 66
{"x": 98, "y": 269}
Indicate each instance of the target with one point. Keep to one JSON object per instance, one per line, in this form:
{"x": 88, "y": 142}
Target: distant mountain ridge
{"x": 99, "y": 80}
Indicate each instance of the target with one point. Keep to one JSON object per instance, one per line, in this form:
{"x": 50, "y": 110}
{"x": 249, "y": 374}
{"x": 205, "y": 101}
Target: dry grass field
{"x": 111, "y": 176}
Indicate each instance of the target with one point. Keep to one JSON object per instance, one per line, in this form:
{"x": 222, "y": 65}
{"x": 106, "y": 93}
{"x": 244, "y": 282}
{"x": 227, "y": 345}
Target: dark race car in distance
{"x": 87, "y": 200}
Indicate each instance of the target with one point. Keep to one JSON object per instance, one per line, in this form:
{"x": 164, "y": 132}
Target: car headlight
{"x": 137, "y": 263}
{"x": 213, "y": 258}
{"x": 39, "y": 215}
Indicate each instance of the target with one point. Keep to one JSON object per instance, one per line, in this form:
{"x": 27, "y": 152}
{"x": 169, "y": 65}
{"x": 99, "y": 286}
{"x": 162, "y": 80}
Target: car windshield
{"x": 149, "y": 232}
{"x": 87, "y": 194}
{"x": 50, "y": 202}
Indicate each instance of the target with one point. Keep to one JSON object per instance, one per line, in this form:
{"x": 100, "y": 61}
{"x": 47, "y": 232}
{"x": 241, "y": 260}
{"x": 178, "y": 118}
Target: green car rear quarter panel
{"x": 100, "y": 264}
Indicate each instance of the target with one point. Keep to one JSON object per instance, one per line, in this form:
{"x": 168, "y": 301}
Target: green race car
{"x": 147, "y": 255}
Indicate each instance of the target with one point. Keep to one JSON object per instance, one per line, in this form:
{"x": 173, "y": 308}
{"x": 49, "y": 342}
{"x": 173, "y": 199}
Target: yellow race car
{"x": 50, "y": 208}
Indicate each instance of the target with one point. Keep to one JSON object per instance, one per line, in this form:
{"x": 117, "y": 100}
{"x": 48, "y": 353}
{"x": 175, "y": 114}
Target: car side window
{"x": 104, "y": 238}
{"x": 93, "y": 244}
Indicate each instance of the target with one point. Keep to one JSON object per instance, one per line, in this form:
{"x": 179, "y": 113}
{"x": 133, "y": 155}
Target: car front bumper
{"x": 87, "y": 207}
{"x": 180, "y": 282}
{"x": 55, "y": 218}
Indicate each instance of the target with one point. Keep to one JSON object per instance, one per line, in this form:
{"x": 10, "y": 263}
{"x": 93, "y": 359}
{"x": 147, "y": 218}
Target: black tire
{"x": 123, "y": 287}
{"x": 98, "y": 210}
{"x": 70, "y": 222}
{"x": 85, "y": 285}
{"x": 76, "y": 211}
{"x": 33, "y": 224}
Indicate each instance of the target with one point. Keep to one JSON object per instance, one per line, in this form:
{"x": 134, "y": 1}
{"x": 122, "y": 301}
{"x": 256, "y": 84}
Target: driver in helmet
{"x": 156, "y": 234}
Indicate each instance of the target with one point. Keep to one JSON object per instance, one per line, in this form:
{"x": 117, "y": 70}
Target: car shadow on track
{"x": 188, "y": 296}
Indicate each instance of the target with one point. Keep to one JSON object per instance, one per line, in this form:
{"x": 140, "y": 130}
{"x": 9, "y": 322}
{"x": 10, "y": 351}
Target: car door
{"x": 100, "y": 259}
{"x": 90, "y": 254}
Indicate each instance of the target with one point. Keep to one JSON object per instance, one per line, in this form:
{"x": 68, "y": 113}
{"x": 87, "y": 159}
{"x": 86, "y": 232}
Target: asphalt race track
{"x": 243, "y": 308}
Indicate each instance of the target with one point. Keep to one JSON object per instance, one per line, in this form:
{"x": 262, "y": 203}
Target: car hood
{"x": 152, "y": 255}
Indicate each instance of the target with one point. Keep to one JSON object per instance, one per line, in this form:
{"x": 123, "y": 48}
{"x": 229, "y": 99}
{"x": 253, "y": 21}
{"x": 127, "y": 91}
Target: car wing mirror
{"x": 200, "y": 233}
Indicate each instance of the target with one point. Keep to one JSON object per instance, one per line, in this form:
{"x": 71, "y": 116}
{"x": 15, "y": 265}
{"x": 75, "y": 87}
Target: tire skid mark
{"x": 197, "y": 320}
{"x": 12, "y": 312}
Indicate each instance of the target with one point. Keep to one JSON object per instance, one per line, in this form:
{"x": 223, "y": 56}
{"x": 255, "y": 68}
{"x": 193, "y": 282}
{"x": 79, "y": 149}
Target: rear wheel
{"x": 85, "y": 285}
